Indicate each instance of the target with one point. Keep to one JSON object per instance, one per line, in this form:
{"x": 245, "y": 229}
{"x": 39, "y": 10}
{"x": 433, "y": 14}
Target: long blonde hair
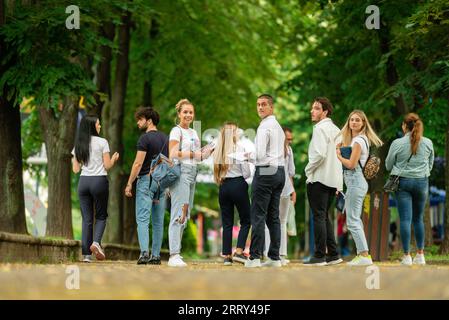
{"x": 367, "y": 130}
{"x": 226, "y": 144}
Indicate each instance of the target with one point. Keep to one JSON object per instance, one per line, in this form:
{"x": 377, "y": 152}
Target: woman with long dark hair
{"x": 411, "y": 158}
{"x": 91, "y": 156}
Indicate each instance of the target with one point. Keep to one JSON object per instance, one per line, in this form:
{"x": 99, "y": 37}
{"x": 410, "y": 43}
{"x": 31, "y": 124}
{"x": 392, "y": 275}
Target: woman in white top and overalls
{"x": 358, "y": 134}
{"x": 184, "y": 148}
{"x": 230, "y": 175}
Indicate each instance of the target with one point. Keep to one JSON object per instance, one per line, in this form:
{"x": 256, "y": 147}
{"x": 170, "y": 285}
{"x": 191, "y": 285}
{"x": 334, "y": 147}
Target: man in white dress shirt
{"x": 324, "y": 178}
{"x": 267, "y": 185}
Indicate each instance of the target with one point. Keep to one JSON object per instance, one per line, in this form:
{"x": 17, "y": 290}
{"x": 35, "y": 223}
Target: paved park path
{"x": 211, "y": 280}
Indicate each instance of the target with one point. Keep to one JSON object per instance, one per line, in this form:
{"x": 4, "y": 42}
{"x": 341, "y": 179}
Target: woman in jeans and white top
{"x": 411, "y": 157}
{"x": 358, "y": 134}
{"x": 184, "y": 147}
{"x": 91, "y": 156}
{"x": 230, "y": 175}
{"x": 288, "y": 194}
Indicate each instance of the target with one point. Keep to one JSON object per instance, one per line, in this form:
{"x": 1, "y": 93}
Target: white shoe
{"x": 252, "y": 263}
{"x": 87, "y": 258}
{"x": 97, "y": 251}
{"x": 361, "y": 261}
{"x": 406, "y": 260}
{"x": 419, "y": 259}
{"x": 284, "y": 261}
{"x": 272, "y": 263}
{"x": 176, "y": 261}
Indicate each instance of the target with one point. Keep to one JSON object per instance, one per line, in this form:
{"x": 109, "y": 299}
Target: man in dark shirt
{"x": 149, "y": 145}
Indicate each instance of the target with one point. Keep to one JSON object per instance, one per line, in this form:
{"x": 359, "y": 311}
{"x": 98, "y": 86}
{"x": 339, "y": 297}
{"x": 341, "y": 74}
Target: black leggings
{"x": 93, "y": 192}
{"x": 234, "y": 192}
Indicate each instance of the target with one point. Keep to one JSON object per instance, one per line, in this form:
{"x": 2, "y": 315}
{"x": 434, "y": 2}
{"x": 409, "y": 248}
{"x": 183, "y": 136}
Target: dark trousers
{"x": 267, "y": 187}
{"x": 93, "y": 193}
{"x": 234, "y": 192}
{"x": 320, "y": 200}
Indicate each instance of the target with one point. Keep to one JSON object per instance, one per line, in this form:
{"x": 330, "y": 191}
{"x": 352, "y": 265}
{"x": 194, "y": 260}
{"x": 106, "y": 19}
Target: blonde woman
{"x": 357, "y": 134}
{"x": 230, "y": 175}
{"x": 184, "y": 148}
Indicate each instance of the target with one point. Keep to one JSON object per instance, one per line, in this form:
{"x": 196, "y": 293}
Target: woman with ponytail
{"x": 411, "y": 158}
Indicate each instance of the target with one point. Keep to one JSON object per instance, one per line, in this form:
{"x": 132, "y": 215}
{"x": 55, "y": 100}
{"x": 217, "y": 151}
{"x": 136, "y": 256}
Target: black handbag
{"x": 392, "y": 184}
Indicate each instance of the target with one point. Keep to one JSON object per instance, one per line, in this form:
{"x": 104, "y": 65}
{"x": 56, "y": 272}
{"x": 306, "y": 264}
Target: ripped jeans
{"x": 182, "y": 192}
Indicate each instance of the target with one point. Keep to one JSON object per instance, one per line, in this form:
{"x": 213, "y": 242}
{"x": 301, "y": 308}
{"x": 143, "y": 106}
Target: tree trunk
{"x": 148, "y": 84}
{"x": 12, "y": 202}
{"x": 59, "y": 134}
{"x": 445, "y": 244}
{"x": 103, "y": 72}
{"x": 392, "y": 76}
{"x": 114, "y": 231}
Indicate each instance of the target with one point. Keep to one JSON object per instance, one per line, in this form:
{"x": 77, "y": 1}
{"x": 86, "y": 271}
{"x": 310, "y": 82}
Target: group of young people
{"x": 410, "y": 157}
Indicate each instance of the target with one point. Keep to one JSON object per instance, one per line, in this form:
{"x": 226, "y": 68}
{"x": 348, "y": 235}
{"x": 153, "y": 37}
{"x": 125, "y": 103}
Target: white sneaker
{"x": 284, "y": 261}
{"x": 272, "y": 263}
{"x": 252, "y": 263}
{"x": 419, "y": 259}
{"x": 176, "y": 261}
{"x": 87, "y": 258}
{"x": 361, "y": 261}
{"x": 406, "y": 260}
{"x": 97, "y": 251}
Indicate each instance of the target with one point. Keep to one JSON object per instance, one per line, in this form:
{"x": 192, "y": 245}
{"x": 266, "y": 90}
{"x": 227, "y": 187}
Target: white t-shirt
{"x": 362, "y": 140}
{"x": 190, "y": 141}
{"x": 239, "y": 168}
{"x": 95, "y": 166}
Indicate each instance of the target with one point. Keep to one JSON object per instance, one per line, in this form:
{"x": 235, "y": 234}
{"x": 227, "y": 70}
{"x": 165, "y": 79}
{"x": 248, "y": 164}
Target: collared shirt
{"x": 270, "y": 140}
{"x": 324, "y": 166}
{"x": 419, "y": 165}
{"x": 239, "y": 168}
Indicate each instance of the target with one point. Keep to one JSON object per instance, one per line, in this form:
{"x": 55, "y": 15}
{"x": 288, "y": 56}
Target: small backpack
{"x": 164, "y": 171}
{"x": 372, "y": 165}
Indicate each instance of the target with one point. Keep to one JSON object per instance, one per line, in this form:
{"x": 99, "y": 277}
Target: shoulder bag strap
{"x": 367, "y": 146}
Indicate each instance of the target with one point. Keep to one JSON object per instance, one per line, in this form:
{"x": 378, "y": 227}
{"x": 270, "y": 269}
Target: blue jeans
{"x": 145, "y": 205}
{"x": 411, "y": 197}
{"x": 356, "y": 189}
{"x": 182, "y": 193}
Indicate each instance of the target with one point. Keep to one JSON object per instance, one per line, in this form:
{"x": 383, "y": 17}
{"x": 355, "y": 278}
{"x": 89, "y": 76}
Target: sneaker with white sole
{"x": 87, "y": 258}
{"x": 407, "y": 260}
{"x": 255, "y": 263}
{"x": 97, "y": 251}
{"x": 272, "y": 263}
{"x": 361, "y": 261}
{"x": 333, "y": 260}
{"x": 313, "y": 261}
{"x": 284, "y": 261}
{"x": 176, "y": 261}
{"x": 419, "y": 259}
{"x": 239, "y": 258}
